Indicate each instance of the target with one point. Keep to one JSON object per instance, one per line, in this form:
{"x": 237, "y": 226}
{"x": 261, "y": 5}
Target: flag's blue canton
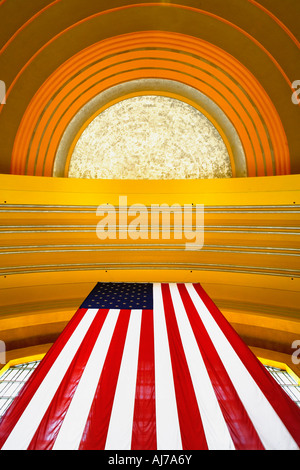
{"x": 120, "y": 295}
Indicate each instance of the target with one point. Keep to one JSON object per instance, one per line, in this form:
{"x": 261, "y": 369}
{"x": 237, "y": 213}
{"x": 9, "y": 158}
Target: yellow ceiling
{"x": 65, "y": 61}
{"x": 57, "y": 56}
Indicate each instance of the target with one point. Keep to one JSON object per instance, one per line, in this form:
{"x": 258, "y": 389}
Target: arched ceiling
{"x": 58, "y": 56}
{"x": 64, "y": 62}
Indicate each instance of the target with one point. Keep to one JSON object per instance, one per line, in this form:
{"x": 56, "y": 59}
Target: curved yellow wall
{"x": 51, "y": 256}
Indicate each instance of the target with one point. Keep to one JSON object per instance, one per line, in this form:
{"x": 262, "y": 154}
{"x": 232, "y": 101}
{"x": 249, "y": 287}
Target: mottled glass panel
{"x": 150, "y": 137}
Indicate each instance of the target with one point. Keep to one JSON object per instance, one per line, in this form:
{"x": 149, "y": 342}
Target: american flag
{"x": 145, "y": 366}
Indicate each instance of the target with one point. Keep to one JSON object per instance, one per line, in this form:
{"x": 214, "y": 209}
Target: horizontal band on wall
{"x": 145, "y": 266}
{"x": 272, "y": 209}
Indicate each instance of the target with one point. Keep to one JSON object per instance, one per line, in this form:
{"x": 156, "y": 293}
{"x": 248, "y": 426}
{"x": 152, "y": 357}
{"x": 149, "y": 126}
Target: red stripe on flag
{"x": 191, "y": 427}
{"x": 15, "y": 411}
{"x": 286, "y": 409}
{"x": 240, "y": 426}
{"x": 95, "y": 432}
{"x": 51, "y": 423}
{"x": 144, "y": 419}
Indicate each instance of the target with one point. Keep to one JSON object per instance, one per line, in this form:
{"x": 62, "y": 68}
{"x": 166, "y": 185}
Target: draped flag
{"x": 144, "y": 366}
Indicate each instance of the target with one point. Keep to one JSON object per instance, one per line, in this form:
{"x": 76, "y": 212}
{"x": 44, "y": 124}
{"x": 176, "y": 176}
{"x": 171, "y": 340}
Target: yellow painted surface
{"x": 21, "y": 189}
{"x": 249, "y": 263}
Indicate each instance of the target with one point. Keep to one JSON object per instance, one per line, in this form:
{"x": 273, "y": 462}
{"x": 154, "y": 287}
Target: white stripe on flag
{"x": 216, "y": 431}
{"x": 23, "y": 432}
{"x": 121, "y": 420}
{"x": 267, "y": 423}
{"x": 73, "y": 425}
{"x": 167, "y": 424}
